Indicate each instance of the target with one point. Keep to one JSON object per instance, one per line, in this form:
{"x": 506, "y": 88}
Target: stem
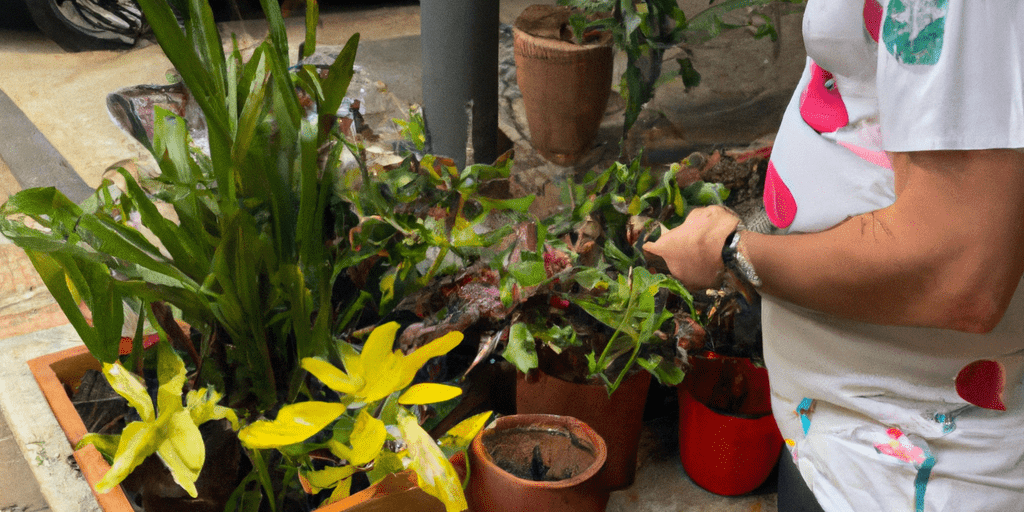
{"x": 626, "y": 315}
{"x": 434, "y": 267}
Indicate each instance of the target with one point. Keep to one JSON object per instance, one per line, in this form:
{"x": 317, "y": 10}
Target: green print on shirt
{"x": 913, "y": 30}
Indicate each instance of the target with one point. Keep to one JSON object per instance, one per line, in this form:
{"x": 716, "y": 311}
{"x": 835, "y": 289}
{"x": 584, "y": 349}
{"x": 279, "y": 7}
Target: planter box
{"x": 60, "y": 372}
{"x": 65, "y": 368}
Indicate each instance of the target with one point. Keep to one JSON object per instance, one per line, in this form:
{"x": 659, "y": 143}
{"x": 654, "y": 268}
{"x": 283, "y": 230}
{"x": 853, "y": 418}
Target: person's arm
{"x": 948, "y": 253}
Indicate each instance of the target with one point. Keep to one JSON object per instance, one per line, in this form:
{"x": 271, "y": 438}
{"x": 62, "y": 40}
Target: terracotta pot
{"x": 395, "y": 493}
{"x": 555, "y": 446}
{"x": 728, "y": 452}
{"x": 618, "y": 419}
{"x": 565, "y": 90}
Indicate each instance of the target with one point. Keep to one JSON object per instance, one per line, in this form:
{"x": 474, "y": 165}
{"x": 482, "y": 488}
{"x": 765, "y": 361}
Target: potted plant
{"x": 284, "y": 263}
{"x": 646, "y": 29}
{"x": 737, "y": 444}
{"x": 592, "y": 319}
{"x": 565, "y": 81}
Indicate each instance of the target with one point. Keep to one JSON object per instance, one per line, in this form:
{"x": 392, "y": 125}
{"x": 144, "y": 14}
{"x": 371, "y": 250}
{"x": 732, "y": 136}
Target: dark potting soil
{"x": 102, "y": 410}
{"x": 539, "y": 454}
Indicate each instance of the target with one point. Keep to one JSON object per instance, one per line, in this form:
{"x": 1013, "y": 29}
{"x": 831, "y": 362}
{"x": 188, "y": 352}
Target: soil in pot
{"x": 555, "y": 454}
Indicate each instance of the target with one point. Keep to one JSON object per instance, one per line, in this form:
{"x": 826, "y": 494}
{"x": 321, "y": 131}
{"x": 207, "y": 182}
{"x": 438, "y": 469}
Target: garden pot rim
{"x": 598, "y": 44}
{"x": 93, "y": 466}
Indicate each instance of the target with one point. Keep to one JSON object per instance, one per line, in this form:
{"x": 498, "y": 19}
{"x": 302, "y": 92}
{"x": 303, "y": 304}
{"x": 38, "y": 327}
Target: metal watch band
{"x": 735, "y": 261}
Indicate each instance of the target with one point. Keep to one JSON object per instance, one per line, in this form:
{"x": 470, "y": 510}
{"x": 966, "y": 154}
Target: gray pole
{"x": 460, "y": 65}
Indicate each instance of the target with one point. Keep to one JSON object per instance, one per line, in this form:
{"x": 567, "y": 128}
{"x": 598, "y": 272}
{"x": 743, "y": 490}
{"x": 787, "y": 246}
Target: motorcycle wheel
{"x": 83, "y": 25}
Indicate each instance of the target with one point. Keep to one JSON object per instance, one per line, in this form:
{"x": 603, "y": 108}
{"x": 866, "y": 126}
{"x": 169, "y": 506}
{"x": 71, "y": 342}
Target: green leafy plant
{"x": 253, "y": 238}
{"x": 646, "y": 29}
{"x": 587, "y": 301}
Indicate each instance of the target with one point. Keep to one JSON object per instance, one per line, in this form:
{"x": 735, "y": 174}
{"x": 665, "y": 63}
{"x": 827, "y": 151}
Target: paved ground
{"x": 54, "y": 101}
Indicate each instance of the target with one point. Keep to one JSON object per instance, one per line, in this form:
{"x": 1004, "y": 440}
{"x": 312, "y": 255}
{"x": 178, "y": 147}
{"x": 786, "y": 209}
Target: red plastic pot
{"x": 728, "y": 452}
{"x": 570, "y": 453}
{"x": 618, "y": 419}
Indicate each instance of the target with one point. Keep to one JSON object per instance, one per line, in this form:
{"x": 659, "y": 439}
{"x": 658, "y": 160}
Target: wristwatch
{"x": 735, "y": 262}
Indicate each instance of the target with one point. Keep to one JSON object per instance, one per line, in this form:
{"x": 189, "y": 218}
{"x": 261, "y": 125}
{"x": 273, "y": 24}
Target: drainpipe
{"x": 460, "y": 77}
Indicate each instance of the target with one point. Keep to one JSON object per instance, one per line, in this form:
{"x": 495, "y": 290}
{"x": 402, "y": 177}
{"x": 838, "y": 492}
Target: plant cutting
{"x": 255, "y": 235}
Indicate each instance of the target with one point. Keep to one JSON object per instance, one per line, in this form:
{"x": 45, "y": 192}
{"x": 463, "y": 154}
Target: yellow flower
{"x": 370, "y": 376}
{"x": 379, "y": 371}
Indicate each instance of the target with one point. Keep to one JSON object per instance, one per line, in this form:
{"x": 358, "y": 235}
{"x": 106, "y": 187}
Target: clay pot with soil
{"x": 565, "y": 85}
{"x": 618, "y": 418}
{"x": 536, "y": 462}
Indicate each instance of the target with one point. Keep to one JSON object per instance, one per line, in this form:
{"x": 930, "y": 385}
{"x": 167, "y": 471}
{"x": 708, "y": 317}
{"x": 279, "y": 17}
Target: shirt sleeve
{"x": 950, "y": 75}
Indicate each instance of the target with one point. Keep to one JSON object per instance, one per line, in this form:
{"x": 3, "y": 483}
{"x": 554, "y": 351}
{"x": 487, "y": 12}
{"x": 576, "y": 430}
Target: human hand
{"x": 693, "y": 250}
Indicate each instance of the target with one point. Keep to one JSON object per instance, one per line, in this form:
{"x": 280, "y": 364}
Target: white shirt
{"x": 871, "y": 412}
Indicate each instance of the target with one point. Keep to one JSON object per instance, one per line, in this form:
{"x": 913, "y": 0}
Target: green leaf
{"x": 520, "y": 350}
{"x": 105, "y": 444}
{"x": 667, "y": 373}
{"x": 338, "y": 78}
{"x": 312, "y": 17}
{"x": 689, "y": 75}
{"x": 528, "y": 273}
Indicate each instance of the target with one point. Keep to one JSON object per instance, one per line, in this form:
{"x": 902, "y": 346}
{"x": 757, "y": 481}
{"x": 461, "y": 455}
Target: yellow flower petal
{"x": 378, "y": 346}
{"x": 367, "y": 439}
{"x": 419, "y": 357}
{"x": 434, "y": 473}
{"x": 183, "y": 451}
{"x": 428, "y": 393}
{"x": 332, "y": 377}
{"x": 328, "y": 478}
{"x": 127, "y": 386}
{"x": 294, "y": 424}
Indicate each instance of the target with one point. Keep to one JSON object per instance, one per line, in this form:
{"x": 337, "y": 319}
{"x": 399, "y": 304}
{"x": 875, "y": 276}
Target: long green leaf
{"x": 338, "y": 79}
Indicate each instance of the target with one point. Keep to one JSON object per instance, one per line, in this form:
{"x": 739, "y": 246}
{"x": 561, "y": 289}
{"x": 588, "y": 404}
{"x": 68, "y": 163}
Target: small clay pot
{"x": 536, "y": 462}
{"x": 618, "y": 418}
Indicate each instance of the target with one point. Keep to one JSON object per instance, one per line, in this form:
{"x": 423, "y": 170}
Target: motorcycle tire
{"x": 85, "y": 25}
